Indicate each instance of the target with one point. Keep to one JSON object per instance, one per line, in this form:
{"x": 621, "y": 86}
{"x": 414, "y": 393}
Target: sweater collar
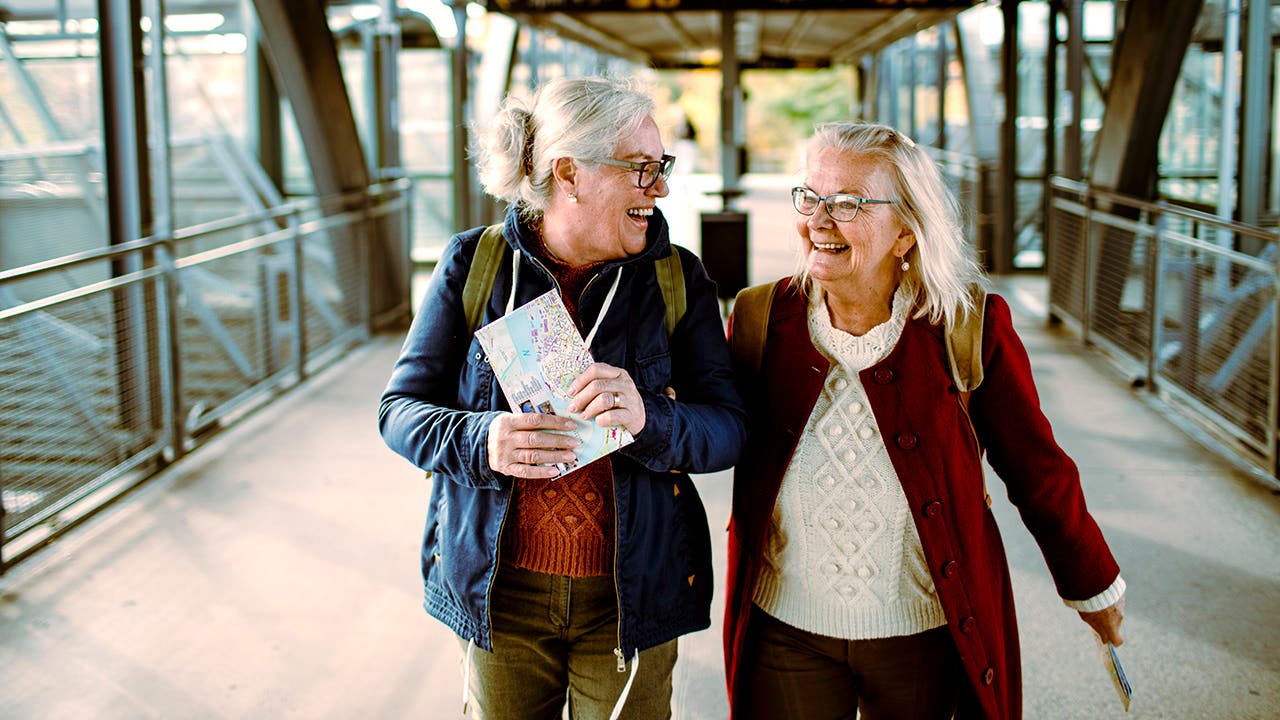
{"x": 857, "y": 351}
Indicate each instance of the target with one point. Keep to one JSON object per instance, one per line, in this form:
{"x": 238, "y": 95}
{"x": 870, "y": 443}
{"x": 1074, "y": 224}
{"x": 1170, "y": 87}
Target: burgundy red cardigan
{"x": 919, "y": 415}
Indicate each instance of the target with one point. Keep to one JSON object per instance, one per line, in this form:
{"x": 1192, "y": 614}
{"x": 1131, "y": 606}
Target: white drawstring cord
{"x": 604, "y": 309}
{"x": 608, "y": 300}
{"x": 466, "y": 677}
{"x": 515, "y": 275}
{"x": 626, "y": 689}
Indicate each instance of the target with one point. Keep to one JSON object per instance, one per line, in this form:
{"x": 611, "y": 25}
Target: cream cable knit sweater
{"x": 843, "y": 558}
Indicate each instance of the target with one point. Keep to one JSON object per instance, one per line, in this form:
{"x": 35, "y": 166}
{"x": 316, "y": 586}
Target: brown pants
{"x": 790, "y": 673}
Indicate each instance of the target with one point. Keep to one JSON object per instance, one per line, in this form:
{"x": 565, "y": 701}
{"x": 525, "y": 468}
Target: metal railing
{"x": 116, "y": 361}
{"x": 1184, "y": 302}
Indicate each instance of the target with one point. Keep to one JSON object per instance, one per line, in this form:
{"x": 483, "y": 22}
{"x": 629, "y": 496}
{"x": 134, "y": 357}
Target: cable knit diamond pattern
{"x": 843, "y": 558}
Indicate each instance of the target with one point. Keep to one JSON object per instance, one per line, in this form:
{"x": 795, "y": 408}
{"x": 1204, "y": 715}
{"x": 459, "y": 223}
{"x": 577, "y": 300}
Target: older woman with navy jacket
{"x": 575, "y": 589}
{"x": 866, "y": 572}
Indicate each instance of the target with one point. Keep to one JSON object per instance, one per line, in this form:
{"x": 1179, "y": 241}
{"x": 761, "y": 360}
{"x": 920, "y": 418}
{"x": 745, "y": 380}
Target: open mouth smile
{"x": 829, "y": 247}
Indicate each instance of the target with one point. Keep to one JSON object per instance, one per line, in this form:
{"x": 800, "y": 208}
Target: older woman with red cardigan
{"x": 866, "y": 572}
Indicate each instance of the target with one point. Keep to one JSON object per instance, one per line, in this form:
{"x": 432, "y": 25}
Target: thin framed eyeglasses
{"x": 647, "y": 173}
{"x": 842, "y": 207}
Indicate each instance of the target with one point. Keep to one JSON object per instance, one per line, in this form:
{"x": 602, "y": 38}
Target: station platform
{"x": 274, "y": 572}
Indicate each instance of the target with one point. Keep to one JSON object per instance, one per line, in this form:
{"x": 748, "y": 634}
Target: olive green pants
{"x": 553, "y": 643}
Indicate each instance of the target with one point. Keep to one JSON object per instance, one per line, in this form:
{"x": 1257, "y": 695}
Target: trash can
{"x": 724, "y": 250}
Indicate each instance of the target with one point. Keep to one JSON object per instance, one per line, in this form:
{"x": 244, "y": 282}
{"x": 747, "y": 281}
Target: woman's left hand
{"x": 608, "y": 394}
{"x": 1106, "y": 622}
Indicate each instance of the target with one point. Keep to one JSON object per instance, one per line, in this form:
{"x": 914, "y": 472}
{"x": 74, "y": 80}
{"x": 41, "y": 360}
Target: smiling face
{"x": 861, "y": 256}
{"x": 611, "y": 214}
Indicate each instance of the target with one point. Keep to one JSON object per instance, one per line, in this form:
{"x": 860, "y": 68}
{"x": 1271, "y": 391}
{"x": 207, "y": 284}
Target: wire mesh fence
{"x": 1185, "y": 302}
{"x": 118, "y": 360}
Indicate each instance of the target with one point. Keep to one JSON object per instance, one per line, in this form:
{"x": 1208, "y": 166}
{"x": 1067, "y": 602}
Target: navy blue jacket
{"x": 442, "y": 396}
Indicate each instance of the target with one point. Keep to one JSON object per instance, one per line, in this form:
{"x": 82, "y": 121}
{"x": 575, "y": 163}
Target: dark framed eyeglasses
{"x": 842, "y": 207}
{"x": 647, "y": 173}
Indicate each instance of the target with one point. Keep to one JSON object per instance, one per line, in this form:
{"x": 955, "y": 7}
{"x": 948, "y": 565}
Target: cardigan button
{"x": 988, "y": 676}
{"x": 951, "y": 568}
{"x": 968, "y": 625}
{"x": 908, "y": 441}
{"x": 933, "y": 509}
{"x": 882, "y": 376}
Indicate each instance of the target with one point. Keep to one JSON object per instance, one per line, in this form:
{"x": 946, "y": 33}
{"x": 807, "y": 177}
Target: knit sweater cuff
{"x": 1102, "y": 600}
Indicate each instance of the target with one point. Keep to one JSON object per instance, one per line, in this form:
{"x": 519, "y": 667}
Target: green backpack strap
{"x": 671, "y": 281}
{"x": 964, "y": 356}
{"x": 749, "y": 327}
{"x": 484, "y": 268}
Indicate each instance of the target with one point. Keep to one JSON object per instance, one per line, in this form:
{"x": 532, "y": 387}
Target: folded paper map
{"x": 1111, "y": 661}
{"x": 536, "y": 352}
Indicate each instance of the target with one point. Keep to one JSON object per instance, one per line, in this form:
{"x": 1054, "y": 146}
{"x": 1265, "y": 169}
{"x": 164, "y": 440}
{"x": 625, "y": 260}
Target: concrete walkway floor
{"x": 274, "y": 573}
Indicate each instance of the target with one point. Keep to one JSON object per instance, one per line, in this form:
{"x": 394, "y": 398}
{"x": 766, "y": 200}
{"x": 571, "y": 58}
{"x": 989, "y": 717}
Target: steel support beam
{"x": 1050, "y": 165}
{"x": 1255, "y": 146}
{"x": 264, "y": 118}
{"x": 304, "y": 58}
{"x": 1000, "y": 259}
{"x": 128, "y": 191}
{"x": 730, "y": 104}
{"x": 385, "y": 76}
{"x": 460, "y": 84}
{"x": 1147, "y": 60}
{"x": 1073, "y": 135}
{"x": 1145, "y": 66}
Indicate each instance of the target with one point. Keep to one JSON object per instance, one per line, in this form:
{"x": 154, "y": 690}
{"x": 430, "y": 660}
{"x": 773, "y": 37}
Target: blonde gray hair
{"x": 584, "y": 117}
{"x": 943, "y": 264}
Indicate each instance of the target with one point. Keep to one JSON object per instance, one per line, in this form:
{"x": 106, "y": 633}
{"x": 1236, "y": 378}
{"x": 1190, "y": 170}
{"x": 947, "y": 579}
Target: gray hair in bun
{"x": 581, "y": 117}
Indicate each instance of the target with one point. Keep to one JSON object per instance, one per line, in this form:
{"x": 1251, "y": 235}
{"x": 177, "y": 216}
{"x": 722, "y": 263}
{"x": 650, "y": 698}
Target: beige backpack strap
{"x": 749, "y": 327}
{"x": 964, "y": 355}
{"x": 484, "y": 269}
{"x": 964, "y": 344}
{"x": 671, "y": 281}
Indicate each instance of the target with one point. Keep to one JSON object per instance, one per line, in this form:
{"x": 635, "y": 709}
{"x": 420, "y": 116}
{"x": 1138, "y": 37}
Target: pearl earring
{"x": 905, "y": 266}
{"x": 573, "y": 198}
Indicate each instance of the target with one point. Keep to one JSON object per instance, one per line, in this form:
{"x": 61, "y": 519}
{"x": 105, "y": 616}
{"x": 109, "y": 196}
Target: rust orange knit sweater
{"x": 564, "y": 526}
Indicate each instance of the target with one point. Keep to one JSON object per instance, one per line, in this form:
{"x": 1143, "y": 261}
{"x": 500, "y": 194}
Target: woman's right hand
{"x": 523, "y": 445}
{"x": 1106, "y": 622}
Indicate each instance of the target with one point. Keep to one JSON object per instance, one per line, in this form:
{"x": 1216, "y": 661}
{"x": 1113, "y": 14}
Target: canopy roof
{"x": 687, "y": 33}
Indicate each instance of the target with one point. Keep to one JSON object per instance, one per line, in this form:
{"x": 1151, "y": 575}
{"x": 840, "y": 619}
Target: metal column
{"x": 1072, "y": 136}
{"x": 460, "y": 84}
{"x": 1256, "y": 101}
{"x": 1001, "y": 258}
{"x": 730, "y": 94}
{"x": 128, "y": 190}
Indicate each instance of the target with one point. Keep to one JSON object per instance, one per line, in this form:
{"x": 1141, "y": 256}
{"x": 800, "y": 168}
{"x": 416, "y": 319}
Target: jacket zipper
{"x": 617, "y": 592}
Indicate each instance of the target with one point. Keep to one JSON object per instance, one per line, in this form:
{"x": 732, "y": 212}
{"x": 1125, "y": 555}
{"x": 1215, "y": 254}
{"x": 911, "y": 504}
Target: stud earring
{"x": 573, "y": 198}
{"x": 905, "y": 266}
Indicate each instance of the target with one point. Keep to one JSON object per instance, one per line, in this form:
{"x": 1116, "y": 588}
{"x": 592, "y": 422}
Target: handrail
{"x": 1188, "y": 314}
{"x": 290, "y": 207}
{"x": 1164, "y": 206}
